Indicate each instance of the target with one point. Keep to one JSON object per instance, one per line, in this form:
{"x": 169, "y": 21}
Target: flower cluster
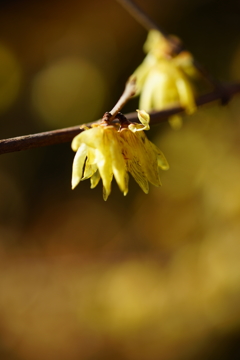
{"x": 163, "y": 78}
{"x": 116, "y": 148}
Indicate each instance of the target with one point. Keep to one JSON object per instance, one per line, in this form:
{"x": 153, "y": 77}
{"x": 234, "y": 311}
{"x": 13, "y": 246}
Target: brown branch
{"x": 139, "y": 15}
{"x": 66, "y": 135}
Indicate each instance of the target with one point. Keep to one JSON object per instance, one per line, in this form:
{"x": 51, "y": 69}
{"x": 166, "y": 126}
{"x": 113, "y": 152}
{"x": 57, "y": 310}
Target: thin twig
{"x": 129, "y": 92}
{"x": 139, "y": 15}
{"x": 177, "y": 46}
{"x": 66, "y": 135}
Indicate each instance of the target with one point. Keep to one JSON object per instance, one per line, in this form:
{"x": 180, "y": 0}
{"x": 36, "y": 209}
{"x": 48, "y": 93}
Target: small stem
{"x": 129, "y": 92}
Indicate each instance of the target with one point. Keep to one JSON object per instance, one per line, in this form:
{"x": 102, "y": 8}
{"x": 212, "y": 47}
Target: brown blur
{"x": 142, "y": 277}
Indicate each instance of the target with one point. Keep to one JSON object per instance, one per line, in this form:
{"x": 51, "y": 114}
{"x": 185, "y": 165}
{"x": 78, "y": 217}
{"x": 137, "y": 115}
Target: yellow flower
{"x": 113, "y": 149}
{"x": 163, "y": 79}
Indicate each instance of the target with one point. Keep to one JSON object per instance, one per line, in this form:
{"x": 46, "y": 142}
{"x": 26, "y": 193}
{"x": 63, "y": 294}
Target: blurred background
{"x": 140, "y": 277}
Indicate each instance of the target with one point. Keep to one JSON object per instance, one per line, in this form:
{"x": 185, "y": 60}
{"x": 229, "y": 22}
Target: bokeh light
{"x": 69, "y": 91}
{"x": 10, "y": 78}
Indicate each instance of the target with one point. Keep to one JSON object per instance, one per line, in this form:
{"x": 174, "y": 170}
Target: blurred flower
{"x": 163, "y": 79}
{"x": 116, "y": 148}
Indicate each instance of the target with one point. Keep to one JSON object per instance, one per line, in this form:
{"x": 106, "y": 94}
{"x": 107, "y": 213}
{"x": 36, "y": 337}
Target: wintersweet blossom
{"x": 163, "y": 80}
{"x": 116, "y": 148}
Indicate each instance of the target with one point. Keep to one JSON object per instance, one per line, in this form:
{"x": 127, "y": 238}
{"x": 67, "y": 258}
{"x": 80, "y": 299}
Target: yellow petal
{"x": 89, "y": 170}
{"x": 135, "y": 127}
{"x": 95, "y": 179}
{"x": 141, "y": 73}
{"x": 141, "y": 159}
{"x": 117, "y": 160}
{"x": 186, "y": 95}
{"x": 98, "y": 144}
{"x": 78, "y": 164}
{"x": 162, "y": 161}
{"x": 153, "y": 39}
{"x": 165, "y": 93}
{"x": 92, "y": 137}
{"x": 106, "y": 193}
{"x": 152, "y": 85}
{"x": 138, "y": 175}
{"x": 105, "y": 169}
{"x": 90, "y": 165}
{"x": 126, "y": 184}
{"x": 144, "y": 118}
{"x": 129, "y": 149}
{"x": 107, "y": 187}
{"x": 76, "y": 142}
{"x": 148, "y": 159}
